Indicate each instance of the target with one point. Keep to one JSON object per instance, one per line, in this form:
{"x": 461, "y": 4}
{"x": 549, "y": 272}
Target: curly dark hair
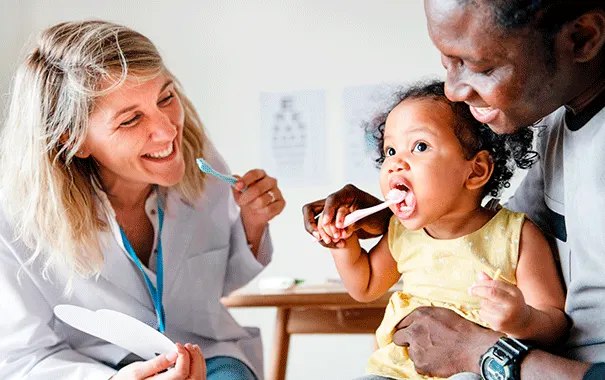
{"x": 547, "y": 16}
{"x": 507, "y": 150}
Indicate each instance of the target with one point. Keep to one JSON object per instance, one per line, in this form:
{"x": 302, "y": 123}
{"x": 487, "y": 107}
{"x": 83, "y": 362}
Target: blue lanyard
{"x": 156, "y": 294}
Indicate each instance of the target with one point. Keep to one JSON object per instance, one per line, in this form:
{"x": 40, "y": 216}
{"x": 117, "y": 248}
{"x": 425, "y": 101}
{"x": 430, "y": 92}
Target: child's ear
{"x": 482, "y": 166}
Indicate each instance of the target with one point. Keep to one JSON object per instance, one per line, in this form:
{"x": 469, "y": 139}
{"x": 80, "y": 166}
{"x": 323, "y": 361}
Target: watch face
{"x": 492, "y": 370}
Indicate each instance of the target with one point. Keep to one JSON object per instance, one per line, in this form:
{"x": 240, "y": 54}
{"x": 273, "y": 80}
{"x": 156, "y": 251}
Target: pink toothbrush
{"x": 393, "y": 196}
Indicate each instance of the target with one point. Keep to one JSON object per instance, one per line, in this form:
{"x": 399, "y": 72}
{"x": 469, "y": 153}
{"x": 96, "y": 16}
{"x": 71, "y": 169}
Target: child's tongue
{"x": 408, "y": 203}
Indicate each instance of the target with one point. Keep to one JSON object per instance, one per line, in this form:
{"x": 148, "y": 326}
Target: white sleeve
{"x": 29, "y": 348}
{"x": 242, "y": 266}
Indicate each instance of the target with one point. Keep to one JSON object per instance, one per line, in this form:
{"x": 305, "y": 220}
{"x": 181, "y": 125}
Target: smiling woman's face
{"x": 135, "y": 134}
{"x": 504, "y": 75}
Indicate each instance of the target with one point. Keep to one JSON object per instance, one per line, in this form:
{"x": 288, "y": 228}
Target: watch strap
{"x": 511, "y": 350}
{"x": 595, "y": 372}
{"x": 508, "y": 353}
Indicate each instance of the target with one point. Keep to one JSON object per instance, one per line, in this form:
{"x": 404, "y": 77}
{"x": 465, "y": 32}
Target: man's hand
{"x": 442, "y": 343}
{"x": 337, "y": 205}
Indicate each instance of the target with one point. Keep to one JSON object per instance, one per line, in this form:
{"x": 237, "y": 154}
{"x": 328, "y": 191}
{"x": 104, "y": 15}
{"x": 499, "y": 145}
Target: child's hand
{"x": 503, "y": 305}
{"x": 329, "y": 233}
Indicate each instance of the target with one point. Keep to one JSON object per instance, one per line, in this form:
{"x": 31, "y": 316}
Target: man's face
{"x": 504, "y": 75}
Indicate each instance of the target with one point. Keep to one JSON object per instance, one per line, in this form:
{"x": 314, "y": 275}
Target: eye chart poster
{"x": 293, "y": 136}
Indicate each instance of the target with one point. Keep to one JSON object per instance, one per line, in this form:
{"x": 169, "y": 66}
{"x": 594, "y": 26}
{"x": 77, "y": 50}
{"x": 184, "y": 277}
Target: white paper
{"x": 360, "y": 105}
{"x": 293, "y": 136}
{"x": 276, "y": 283}
{"x": 117, "y": 328}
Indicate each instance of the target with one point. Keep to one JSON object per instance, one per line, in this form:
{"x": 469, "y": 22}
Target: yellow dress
{"x": 439, "y": 273}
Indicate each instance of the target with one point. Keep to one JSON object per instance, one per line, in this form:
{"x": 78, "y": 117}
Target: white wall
{"x": 226, "y": 53}
{"x": 11, "y": 41}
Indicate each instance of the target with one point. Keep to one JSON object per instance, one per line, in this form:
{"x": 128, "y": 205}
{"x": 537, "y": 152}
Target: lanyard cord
{"x": 155, "y": 293}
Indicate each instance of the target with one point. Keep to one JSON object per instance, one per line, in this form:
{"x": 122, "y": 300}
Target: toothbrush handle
{"x": 226, "y": 178}
{"x": 360, "y": 214}
{"x": 208, "y": 169}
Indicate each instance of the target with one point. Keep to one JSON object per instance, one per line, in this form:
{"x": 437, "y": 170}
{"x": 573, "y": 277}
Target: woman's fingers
{"x": 275, "y": 208}
{"x": 198, "y": 364}
{"x": 149, "y": 368}
{"x": 249, "y": 178}
{"x": 190, "y": 365}
{"x": 182, "y": 367}
{"x": 262, "y": 196}
{"x": 258, "y": 185}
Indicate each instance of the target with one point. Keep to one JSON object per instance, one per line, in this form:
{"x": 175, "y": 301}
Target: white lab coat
{"x": 206, "y": 256}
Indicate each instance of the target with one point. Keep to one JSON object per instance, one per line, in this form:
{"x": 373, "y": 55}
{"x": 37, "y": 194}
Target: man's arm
{"x": 442, "y": 343}
{"x": 544, "y": 366}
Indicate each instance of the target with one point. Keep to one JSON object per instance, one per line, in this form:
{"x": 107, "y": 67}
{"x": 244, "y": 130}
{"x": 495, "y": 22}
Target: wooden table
{"x": 310, "y": 309}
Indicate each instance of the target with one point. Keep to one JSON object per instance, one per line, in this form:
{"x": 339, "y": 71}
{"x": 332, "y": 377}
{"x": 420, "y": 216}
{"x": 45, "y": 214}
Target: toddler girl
{"x": 493, "y": 267}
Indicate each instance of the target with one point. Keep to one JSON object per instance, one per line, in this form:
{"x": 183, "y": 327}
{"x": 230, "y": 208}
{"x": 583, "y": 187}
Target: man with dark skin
{"x": 518, "y": 63}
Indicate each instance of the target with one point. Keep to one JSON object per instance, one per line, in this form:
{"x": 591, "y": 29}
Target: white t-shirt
{"x": 564, "y": 193}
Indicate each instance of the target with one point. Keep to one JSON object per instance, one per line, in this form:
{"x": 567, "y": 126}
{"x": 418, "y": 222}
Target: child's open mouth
{"x": 405, "y": 208}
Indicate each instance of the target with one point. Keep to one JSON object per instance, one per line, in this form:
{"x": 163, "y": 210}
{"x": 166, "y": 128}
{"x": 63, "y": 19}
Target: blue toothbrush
{"x": 206, "y": 168}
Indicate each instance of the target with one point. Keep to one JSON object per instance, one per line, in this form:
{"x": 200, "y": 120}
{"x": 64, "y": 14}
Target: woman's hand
{"x": 503, "y": 305}
{"x": 334, "y": 209}
{"x": 189, "y": 364}
{"x": 260, "y": 202}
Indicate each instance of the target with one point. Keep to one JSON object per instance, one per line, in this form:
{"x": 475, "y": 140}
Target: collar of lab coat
{"x": 119, "y": 268}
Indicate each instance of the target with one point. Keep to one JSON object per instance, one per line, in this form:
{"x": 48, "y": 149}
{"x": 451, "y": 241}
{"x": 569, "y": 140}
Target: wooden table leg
{"x": 281, "y": 344}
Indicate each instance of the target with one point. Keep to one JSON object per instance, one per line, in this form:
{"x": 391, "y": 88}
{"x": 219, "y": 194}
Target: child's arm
{"x": 366, "y": 276}
{"x": 534, "y": 308}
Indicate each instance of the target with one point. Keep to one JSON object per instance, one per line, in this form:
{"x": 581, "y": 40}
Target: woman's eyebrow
{"x": 168, "y": 83}
{"x": 130, "y": 108}
{"x": 124, "y": 110}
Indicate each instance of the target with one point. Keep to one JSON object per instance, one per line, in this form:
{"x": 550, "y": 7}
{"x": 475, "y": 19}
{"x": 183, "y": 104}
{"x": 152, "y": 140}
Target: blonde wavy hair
{"x": 48, "y": 192}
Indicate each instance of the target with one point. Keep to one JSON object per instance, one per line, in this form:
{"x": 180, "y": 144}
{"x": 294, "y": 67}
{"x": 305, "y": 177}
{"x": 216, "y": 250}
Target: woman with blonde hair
{"x": 102, "y": 206}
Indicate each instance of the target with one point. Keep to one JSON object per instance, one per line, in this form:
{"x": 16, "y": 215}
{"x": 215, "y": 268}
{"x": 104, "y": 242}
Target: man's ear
{"x": 482, "y": 167}
{"x": 587, "y": 34}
